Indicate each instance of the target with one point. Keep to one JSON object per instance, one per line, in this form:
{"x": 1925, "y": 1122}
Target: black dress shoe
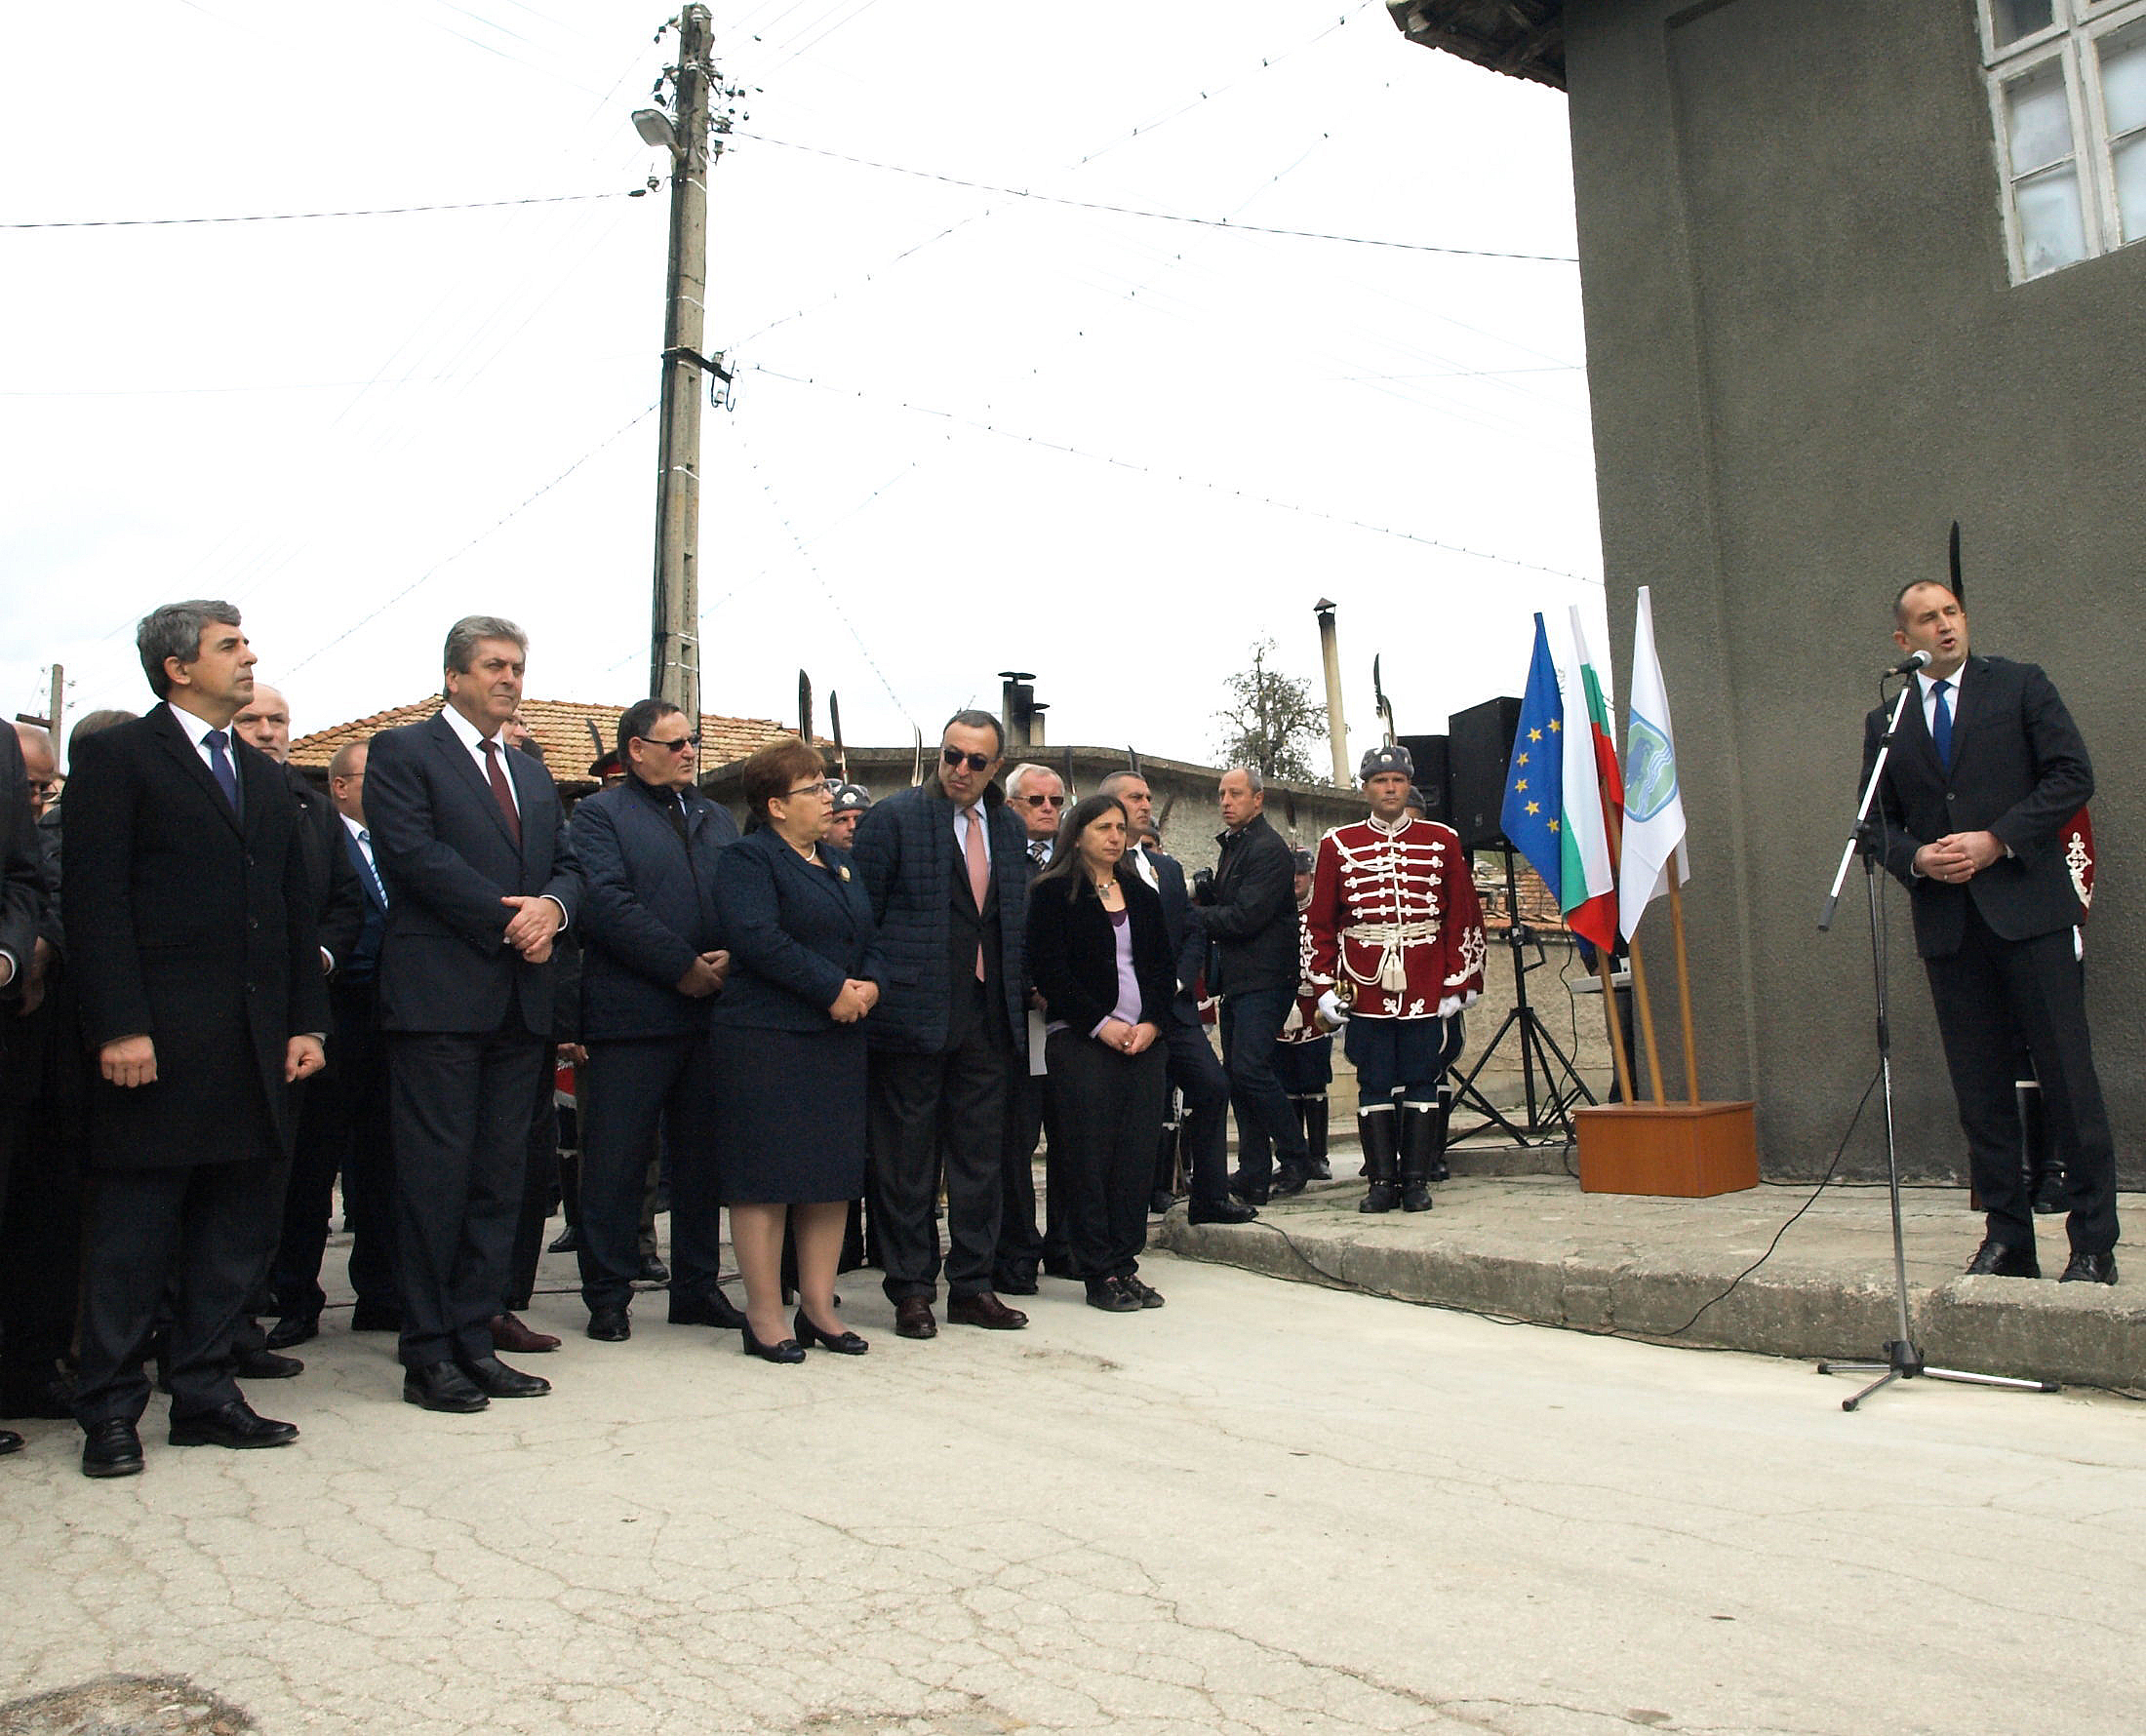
{"x": 1993, "y": 1259}
{"x": 376, "y": 1317}
{"x": 10, "y": 1443}
{"x": 1160, "y": 1201}
{"x": 786, "y": 1349}
{"x": 843, "y": 1343}
{"x": 652, "y": 1272}
{"x": 566, "y": 1241}
{"x": 111, "y": 1448}
{"x": 495, "y": 1380}
{"x": 984, "y": 1310}
{"x": 442, "y": 1386}
{"x": 913, "y": 1318}
{"x": 235, "y": 1424}
{"x": 292, "y": 1328}
{"x": 2090, "y": 1269}
{"x": 1288, "y": 1181}
{"x": 609, "y": 1325}
{"x": 1145, "y": 1294}
{"x": 1111, "y": 1296}
{"x": 1219, "y": 1211}
{"x": 266, "y": 1364}
{"x": 713, "y": 1309}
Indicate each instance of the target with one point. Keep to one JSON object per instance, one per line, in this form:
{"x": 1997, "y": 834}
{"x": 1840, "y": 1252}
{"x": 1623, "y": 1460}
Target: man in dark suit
{"x": 944, "y": 864}
{"x": 1249, "y": 911}
{"x": 651, "y": 965}
{"x": 203, "y": 994}
{"x": 1036, "y": 794}
{"x": 469, "y": 840}
{"x": 1985, "y": 771}
{"x": 342, "y": 1116}
{"x": 1194, "y": 1070}
{"x": 22, "y": 909}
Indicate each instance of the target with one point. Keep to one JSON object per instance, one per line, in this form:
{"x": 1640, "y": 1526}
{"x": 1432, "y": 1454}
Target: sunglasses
{"x": 677, "y": 743}
{"x": 1045, "y": 801}
{"x": 953, "y": 756}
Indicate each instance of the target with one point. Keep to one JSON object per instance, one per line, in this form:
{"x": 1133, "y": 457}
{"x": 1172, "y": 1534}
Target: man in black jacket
{"x": 1985, "y": 771}
{"x": 651, "y": 964}
{"x": 945, "y": 865}
{"x": 1193, "y": 1069}
{"x": 22, "y": 909}
{"x": 1249, "y": 911}
{"x": 196, "y": 948}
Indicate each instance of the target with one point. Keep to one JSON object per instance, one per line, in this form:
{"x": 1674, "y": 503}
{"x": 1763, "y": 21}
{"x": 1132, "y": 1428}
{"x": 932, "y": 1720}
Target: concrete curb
{"x": 1605, "y": 1263}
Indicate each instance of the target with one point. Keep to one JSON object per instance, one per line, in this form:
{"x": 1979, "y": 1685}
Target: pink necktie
{"x": 980, "y": 873}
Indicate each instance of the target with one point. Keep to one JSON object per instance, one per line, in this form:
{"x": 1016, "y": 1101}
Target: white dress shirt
{"x": 963, "y": 818}
{"x": 1929, "y": 683}
{"x": 468, "y": 734}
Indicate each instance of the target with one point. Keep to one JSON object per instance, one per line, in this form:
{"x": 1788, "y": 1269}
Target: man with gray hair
{"x": 471, "y": 843}
{"x": 1248, "y": 908}
{"x": 1037, "y": 795}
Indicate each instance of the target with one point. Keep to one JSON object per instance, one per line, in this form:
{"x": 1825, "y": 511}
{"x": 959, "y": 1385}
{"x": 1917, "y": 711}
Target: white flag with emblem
{"x": 1654, "y": 805}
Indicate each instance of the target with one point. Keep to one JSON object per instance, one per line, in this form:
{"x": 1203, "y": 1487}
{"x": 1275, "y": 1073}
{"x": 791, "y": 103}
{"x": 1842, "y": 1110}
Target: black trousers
{"x": 1110, "y": 1113}
{"x": 205, "y": 1232}
{"x": 540, "y": 1188}
{"x": 627, "y": 1092}
{"x": 1020, "y": 1244}
{"x": 1251, "y": 1022}
{"x": 1994, "y": 994}
{"x": 1204, "y": 1136}
{"x": 343, "y": 1131}
{"x": 40, "y": 1245}
{"x": 922, "y": 1107}
{"x": 460, "y": 1108}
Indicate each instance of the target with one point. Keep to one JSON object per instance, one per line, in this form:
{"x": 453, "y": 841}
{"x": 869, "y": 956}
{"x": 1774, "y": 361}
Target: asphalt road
{"x": 1265, "y": 1508}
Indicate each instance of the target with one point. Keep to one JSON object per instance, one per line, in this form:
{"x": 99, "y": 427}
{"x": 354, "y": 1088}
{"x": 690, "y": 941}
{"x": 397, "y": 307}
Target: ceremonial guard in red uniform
{"x": 1397, "y": 948}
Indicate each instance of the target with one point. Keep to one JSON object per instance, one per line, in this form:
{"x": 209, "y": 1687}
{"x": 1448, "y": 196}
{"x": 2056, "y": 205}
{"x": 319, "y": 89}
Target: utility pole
{"x": 59, "y": 698}
{"x": 674, "y": 659}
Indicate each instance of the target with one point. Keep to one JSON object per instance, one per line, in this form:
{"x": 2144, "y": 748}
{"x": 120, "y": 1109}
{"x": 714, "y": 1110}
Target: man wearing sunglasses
{"x": 1037, "y": 795}
{"x": 651, "y": 963}
{"x": 945, "y": 865}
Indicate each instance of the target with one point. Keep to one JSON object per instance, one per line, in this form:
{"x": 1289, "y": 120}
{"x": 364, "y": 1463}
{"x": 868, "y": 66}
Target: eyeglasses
{"x": 677, "y": 743}
{"x": 1045, "y": 801}
{"x": 821, "y": 788}
{"x": 953, "y": 756}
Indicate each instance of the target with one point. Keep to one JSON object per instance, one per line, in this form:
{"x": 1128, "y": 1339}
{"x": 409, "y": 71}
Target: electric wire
{"x": 300, "y": 217}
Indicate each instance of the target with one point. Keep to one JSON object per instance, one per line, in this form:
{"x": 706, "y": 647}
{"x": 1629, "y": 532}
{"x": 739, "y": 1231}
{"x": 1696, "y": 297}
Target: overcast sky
{"x": 340, "y": 423}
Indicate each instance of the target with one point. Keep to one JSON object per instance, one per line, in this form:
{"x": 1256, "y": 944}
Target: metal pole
{"x": 1337, "y": 729}
{"x": 674, "y": 660}
{"x": 51, "y": 713}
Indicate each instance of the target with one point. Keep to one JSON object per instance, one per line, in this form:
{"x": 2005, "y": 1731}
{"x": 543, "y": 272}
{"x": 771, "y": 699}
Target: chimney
{"x": 1018, "y": 710}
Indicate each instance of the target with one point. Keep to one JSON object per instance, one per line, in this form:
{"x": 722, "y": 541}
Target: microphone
{"x": 1910, "y": 665}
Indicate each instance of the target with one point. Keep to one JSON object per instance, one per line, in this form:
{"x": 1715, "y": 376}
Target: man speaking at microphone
{"x": 1985, "y": 771}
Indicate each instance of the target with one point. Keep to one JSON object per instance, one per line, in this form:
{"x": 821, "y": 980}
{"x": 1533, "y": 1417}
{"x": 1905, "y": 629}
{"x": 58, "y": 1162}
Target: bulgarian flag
{"x": 1587, "y": 890}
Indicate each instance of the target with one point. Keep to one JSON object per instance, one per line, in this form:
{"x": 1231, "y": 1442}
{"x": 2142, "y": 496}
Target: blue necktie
{"x": 1940, "y": 729}
{"x": 219, "y": 763}
{"x": 372, "y": 873}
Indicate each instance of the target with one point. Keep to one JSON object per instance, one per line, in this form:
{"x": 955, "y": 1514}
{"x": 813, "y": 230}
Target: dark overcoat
{"x": 444, "y": 852}
{"x": 796, "y": 933}
{"x": 196, "y": 927}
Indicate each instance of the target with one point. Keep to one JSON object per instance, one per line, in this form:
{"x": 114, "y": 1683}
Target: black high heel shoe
{"x": 843, "y": 1343}
{"x": 789, "y": 1351}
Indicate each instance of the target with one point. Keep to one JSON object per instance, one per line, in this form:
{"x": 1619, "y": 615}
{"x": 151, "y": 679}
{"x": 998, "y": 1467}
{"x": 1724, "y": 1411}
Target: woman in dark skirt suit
{"x": 787, "y": 1042}
{"x": 1099, "y": 956}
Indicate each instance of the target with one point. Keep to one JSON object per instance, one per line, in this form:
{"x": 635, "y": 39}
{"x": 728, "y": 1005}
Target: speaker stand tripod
{"x": 1903, "y": 1360}
{"x": 1549, "y": 1106}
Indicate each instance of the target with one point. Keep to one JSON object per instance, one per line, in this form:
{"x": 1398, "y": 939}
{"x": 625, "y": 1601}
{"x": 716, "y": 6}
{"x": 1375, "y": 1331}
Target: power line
{"x": 296, "y": 216}
{"x": 1167, "y": 216}
{"x": 1212, "y": 487}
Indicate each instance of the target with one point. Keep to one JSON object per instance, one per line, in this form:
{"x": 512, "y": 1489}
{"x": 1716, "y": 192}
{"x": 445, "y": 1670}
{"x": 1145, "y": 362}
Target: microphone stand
{"x": 1903, "y": 1361}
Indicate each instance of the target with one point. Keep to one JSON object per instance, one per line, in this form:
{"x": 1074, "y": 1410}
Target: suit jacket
{"x": 796, "y": 933}
{"x": 1251, "y": 911}
{"x": 1188, "y": 940}
{"x": 444, "y": 851}
{"x": 2018, "y": 770}
{"x": 910, "y": 863}
{"x": 196, "y": 926}
{"x": 647, "y": 910}
{"x": 361, "y": 962}
{"x": 21, "y": 878}
{"x": 337, "y": 893}
{"x": 1073, "y": 953}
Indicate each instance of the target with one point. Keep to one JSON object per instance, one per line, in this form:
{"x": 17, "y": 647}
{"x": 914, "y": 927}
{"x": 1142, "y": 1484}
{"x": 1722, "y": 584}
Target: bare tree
{"x": 1272, "y": 721}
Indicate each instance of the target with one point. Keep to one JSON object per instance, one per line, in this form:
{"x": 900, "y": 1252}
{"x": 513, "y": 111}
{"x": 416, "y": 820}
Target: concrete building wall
{"x": 1807, "y": 359}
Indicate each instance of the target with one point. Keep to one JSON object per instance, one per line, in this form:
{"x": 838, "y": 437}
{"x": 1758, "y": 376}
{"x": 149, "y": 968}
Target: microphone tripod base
{"x": 1904, "y": 1362}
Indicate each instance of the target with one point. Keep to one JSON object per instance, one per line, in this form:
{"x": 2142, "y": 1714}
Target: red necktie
{"x": 980, "y": 873}
{"x": 503, "y": 792}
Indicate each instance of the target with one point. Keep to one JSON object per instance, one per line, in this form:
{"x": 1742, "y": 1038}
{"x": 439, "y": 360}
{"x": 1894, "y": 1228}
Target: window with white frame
{"x": 2067, "y": 82}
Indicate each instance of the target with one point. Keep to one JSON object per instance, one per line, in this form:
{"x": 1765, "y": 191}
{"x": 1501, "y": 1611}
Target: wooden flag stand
{"x": 1691, "y": 1150}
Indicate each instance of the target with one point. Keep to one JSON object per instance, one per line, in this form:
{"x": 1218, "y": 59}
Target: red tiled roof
{"x": 560, "y": 725}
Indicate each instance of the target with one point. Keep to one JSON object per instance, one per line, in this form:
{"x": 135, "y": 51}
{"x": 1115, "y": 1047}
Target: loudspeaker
{"x": 1479, "y": 742}
{"x": 1433, "y": 775}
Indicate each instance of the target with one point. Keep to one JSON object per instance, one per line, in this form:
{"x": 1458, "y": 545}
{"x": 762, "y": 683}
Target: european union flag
{"x": 1534, "y": 781}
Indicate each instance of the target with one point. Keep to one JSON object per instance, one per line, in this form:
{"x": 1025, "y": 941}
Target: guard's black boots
{"x": 1418, "y": 1152}
{"x": 1376, "y": 1130}
{"x": 1311, "y": 1116}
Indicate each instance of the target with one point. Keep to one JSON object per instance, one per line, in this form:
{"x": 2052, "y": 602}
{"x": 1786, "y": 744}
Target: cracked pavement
{"x": 1265, "y": 1508}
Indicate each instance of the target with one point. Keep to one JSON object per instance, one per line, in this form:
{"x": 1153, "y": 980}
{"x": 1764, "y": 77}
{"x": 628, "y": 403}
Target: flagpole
{"x": 1616, "y": 1025}
{"x": 1683, "y": 985}
{"x": 1614, "y": 826}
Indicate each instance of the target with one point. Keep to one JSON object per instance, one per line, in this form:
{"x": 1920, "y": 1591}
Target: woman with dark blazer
{"x": 787, "y": 1048}
{"x": 1098, "y": 954}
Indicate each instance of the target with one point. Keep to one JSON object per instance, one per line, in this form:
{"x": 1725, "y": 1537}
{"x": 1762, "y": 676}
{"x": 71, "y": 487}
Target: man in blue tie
{"x": 1987, "y": 769}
